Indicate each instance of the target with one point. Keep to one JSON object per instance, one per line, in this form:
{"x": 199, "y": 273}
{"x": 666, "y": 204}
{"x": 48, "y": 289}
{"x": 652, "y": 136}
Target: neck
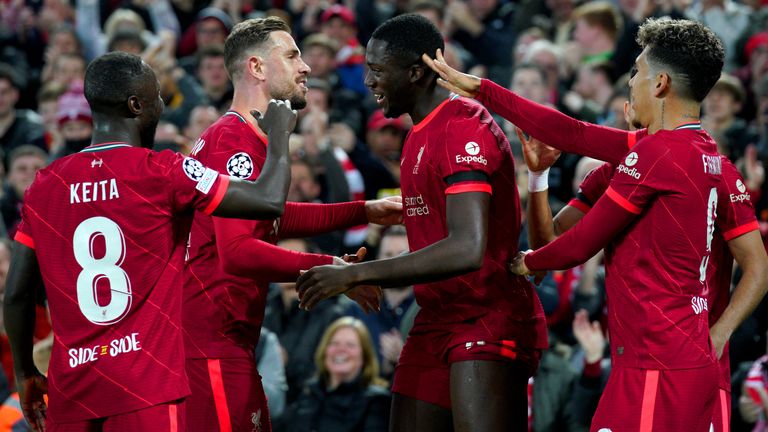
{"x": 425, "y": 104}
{"x": 250, "y": 96}
{"x": 115, "y": 129}
{"x": 672, "y": 112}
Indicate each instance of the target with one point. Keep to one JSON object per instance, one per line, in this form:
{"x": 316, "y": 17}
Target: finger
{"x": 450, "y": 87}
{"x": 361, "y": 253}
{"x": 428, "y": 61}
{"x": 439, "y": 55}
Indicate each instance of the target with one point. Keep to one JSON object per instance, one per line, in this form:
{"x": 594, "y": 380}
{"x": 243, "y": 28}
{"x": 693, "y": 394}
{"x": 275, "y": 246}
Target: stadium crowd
{"x": 329, "y": 369}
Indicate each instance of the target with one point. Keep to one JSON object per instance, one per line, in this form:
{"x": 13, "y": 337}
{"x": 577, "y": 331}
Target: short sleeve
{"x": 24, "y": 230}
{"x": 594, "y": 184}
{"x": 735, "y": 210}
{"x": 192, "y": 184}
{"x": 641, "y": 176}
{"x": 236, "y": 155}
{"x": 472, "y": 152}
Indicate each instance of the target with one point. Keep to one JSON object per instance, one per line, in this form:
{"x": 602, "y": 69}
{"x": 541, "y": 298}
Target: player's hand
{"x": 589, "y": 335}
{"x": 719, "y": 338}
{"x": 322, "y": 282}
{"x": 451, "y": 79}
{"x": 279, "y": 117}
{"x": 538, "y": 156}
{"x": 31, "y": 391}
{"x": 385, "y": 211}
{"x": 517, "y": 266}
{"x": 367, "y": 296}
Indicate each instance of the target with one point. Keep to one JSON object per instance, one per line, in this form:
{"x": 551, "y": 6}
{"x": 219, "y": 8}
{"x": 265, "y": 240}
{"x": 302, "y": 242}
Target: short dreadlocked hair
{"x": 692, "y": 52}
{"x": 408, "y": 36}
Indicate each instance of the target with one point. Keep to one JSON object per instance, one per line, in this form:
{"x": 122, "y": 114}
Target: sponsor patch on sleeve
{"x": 206, "y": 182}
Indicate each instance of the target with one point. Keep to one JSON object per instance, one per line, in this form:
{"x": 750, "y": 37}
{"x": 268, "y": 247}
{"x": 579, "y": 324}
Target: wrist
{"x": 538, "y": 181}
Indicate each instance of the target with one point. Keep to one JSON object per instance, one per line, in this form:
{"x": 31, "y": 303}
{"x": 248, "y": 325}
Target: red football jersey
{"x": 735, "y": 217}
{"x": 459, "y": 140}
{"x": 109, "y": 226}
{"x": 656, "y": 269}
{"x": 223, "y": 312}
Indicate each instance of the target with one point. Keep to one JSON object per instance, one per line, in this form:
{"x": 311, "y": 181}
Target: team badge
{"x": 472, "y": 148}
{"x": 740, "y": 186}
{"x": 193, "y": 169}
{"x": 240, "y": 165}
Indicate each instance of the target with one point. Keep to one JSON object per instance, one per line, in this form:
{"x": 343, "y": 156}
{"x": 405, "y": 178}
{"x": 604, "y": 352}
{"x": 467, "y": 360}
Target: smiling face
{"x": 388, "y": 80}
{"x": 286, "y": 72}
{"x": 344, "y": 355}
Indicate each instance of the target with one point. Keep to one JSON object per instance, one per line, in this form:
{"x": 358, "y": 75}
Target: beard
{"x": 292, "y": 93}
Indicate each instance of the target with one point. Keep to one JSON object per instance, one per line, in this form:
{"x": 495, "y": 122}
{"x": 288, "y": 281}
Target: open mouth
{"x": 380, "y": 98}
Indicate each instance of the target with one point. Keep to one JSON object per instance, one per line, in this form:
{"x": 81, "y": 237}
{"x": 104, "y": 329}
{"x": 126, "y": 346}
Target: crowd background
{"x": 328, "y": 369}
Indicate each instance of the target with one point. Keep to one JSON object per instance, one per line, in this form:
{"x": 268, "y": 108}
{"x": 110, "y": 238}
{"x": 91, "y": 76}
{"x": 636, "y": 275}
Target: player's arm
{"x": 309, "y": 219}
{"x": 608, "y": 218}
{"x": 244, "y": 255}
{"x": 541, "y": 122}
{"x": 265, "y": 197}
{"x": 19, "y": 312}
{"x": 460, "y": 252}
{"x": 749, "y": 252}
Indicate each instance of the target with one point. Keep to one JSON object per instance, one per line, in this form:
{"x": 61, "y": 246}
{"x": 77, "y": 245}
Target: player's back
{"x": 109, "y": 227}
{"x": 656, "y": 276}
{"x": 223, "y": 312}
{"x": 460, "y": 140}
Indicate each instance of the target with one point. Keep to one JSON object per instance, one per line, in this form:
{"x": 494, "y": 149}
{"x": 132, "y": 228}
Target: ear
{"x": 256, "y": 67}
{"x": 134, "y": 106}
{"x": 663, "y": 84}
{"x": 416, "y": 72}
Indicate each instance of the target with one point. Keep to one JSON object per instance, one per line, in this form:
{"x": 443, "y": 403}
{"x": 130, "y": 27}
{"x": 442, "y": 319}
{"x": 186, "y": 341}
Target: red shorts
{"x": 423, "y": 371}
{"x": 641, "y": 400}
{"x": 226, "y": 396}
{"x": 721, "y": 416}
{"x": 168, "y": 417}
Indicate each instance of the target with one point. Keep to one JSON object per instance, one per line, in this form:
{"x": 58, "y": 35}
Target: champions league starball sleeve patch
{"x": 193, "y": 169}
{"x": 240, "y": 165}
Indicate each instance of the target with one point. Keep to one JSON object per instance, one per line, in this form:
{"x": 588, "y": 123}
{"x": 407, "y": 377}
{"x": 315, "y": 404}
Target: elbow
{"x": 470, "y": 258}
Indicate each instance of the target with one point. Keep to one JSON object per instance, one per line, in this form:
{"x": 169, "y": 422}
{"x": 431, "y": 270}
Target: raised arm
{"x": 265, "y": 197}
{"x": 19, "y": 312}
{"x": 460, "y": 252}
{"x": 541, "y": 122}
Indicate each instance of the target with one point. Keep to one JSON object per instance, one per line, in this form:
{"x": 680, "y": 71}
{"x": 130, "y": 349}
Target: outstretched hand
{"x": 385, "y": 211}
{"x": 31, "y": 391}
{"x": 322, "y": 282}
{"x": 538, "y": 156}
{"x": 279, "y": 118}
{"x": 451, "y": 79}
{"x": 367, "y": 296}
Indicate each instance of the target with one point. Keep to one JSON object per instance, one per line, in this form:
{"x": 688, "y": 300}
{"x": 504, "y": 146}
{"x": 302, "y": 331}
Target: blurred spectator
{"x": 48, "y": 108}
{"x": 384, "y": 325}
{"x": 95, "y": 41}
{"x": 201, "y": 118}
{"x": 17, "y": 127}
{"x": 562, "y": 24}
{"x": 168, "y": 137}
{"x": 592, "y": 91}
{"x": 385, "y": 139}
{"x": 596, "y": 27}
{"x": 65, "y": 69}
{"x": 754, "y": 72}
{"x": 180, "y": 91}
{"x": 24, "y": 163}
{"x": 720, "y": 107}
{"x": 269, "y": 363}
{"x": 127, "y": 40}
{"x": 484, "y": 28}
{"x": 753, "y": 401}
{"x": 299, "y": 331}
{"x": 211, "y": 28}
{"x": 550, "y": 395}
{"x": 347, "y": 395}
{"x": 213, "y": 77}
{"x": 455, "y": 55}
{"x": 75, "y": 122}
{"x": 548, "y": 57}
{"x": 594, "y": 365}
{"x": 338, "y": 23}
{"x": 727, "y": 18}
